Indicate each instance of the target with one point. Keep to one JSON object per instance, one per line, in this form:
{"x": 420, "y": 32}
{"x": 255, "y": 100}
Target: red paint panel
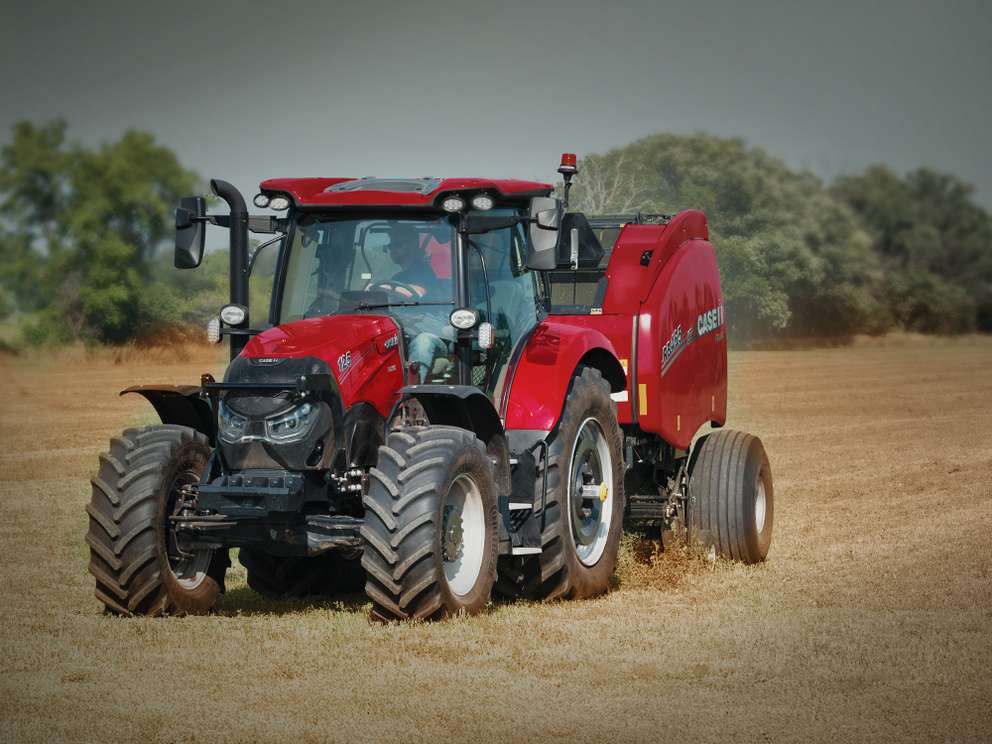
{"x": 685, "y": 310}
{"x": 313, "y": 191}
{"x": 373, "y": 372}
{"x": 541, "y": 378}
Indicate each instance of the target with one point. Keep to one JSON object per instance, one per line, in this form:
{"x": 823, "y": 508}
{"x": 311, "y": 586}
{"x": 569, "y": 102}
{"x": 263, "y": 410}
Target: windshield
{"x": 372, "y": 264}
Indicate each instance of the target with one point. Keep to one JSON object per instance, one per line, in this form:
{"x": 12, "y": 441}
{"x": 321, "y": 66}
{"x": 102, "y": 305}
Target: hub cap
{"x": 590, "y": 492}
{"x": 759, "y": 506}
{"x": 463, "y": 534}
{"x": 189, "y": 569}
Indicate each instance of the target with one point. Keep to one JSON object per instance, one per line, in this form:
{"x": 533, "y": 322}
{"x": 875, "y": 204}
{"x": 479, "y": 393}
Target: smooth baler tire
{"x": 127, "y": 524}
{"x": 558, "y": 570}
{"x": 419, "y": 469}
{"x": 279, "y": 577}
{"x": 731, "y": 497}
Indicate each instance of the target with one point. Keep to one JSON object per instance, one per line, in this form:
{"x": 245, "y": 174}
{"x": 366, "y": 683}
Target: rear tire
{"x": 279, "y": 577}
{"x": 133, "y": 557}
{"x": 430, "y": 529}
{"x": 579, "y": 537}
{"x": 731, "y": 498}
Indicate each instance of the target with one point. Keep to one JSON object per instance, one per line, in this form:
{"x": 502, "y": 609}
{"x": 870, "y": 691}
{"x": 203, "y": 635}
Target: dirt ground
{"x": 871, "y": 620}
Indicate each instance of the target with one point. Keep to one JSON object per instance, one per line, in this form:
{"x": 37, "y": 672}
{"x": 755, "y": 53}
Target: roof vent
{"x": 398, "y": 185}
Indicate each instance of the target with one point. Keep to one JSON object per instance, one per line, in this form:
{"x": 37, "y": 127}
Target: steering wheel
{"x": 401, "y": 289}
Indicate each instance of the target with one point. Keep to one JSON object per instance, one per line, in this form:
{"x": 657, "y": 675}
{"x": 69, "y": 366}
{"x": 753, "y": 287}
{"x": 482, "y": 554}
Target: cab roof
{"x": 403, "y": 192}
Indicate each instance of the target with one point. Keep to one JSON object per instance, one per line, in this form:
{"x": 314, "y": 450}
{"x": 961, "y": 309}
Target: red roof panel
{"x": 313, "y": 192}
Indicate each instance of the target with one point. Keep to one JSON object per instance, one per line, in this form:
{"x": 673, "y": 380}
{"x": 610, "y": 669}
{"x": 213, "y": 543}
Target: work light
{"x": 279, "y": 203}
{"x": 453, "y": 203}
{"x": 482, "y": 201}
{"x": 464, "y": 318}
{"x": 261, "y": 201}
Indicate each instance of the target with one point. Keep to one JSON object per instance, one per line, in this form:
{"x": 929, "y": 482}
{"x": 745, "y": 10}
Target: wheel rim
{"x": 590, "y": 492}
{"x": 188, "y": 569}
{"x": 759, "y": 505}
{"x": 463, "y": 534}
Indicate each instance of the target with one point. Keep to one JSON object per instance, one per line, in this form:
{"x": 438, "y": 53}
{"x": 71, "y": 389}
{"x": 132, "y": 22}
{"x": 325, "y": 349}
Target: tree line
{"x": 868, "y": 253}
{"x": 84, "y": 232}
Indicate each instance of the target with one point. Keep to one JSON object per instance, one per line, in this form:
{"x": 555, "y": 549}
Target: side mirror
{"x": 545, "y": 216}
{"x": 191, "y": 231}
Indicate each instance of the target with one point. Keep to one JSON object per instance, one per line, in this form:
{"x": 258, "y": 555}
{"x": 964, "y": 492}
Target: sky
{"x": 251, "y": 90}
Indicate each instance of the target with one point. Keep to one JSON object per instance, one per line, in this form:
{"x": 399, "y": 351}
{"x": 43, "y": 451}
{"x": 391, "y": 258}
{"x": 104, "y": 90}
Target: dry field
{"x": 871, "y": 620}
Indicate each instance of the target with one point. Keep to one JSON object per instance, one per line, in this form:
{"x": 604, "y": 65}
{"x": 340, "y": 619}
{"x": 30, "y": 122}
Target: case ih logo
{"x": 706, "y": 322}
{"x": 267, "y": 361}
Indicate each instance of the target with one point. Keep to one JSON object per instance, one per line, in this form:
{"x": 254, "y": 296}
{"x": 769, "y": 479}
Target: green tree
{"x": 83, "y": 226}
{"x": 794, "y": 260}
{"x": 935, "y": 242}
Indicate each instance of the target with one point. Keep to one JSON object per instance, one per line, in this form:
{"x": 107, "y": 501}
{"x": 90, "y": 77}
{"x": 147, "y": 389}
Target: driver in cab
{"x": 415, "y": 281}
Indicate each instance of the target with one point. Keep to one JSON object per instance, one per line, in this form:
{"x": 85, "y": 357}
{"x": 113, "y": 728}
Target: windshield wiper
{"x": 373, "y": 306}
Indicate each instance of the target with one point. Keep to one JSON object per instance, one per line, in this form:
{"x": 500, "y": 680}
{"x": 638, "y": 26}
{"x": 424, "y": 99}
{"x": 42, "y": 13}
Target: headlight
{"x": 293, "y": 425}
{"x": 233, "y": 314}
{"x": 231, "y": 427}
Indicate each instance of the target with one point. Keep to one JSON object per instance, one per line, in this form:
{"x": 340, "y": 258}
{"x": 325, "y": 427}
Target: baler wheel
{"x": 731, "y": 499}
{"x": 430, "y": 529}
{"x": 138, "y": 567}
{"x": 583, "y": 515}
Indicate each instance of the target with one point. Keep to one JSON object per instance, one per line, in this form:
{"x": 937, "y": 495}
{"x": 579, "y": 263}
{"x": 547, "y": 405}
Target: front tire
{"x": 731, "y": 498}
{"x": 138, "y": 567}
{"x": 430, "y": 529}
{"x": 582, "y": 520}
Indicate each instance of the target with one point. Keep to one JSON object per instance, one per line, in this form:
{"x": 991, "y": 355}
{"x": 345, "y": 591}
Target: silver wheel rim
{"x": 590, "y": 492}
{"x": 463, "y": 535}
{"x": 759, "y": 506}
{"x": 188, "y": 570}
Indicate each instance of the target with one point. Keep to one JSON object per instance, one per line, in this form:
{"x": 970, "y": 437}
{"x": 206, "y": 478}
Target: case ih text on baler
{"x": 463, "y": 388}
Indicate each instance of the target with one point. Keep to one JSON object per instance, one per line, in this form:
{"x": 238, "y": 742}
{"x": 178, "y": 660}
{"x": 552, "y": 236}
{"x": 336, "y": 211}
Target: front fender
{"x": 179, "y": 404}
{"x": 536, "y": 394}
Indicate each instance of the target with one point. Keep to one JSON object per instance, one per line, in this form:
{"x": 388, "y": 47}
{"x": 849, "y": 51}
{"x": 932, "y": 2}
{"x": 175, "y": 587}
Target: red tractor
{"x": 463, "y": 387}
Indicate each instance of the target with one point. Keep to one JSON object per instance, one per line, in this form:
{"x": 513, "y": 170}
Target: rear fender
{"x": 179, "y": 404}
{"x": 536, "y": 395}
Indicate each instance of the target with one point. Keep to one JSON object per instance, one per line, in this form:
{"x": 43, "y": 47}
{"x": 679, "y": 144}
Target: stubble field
{"x": 871, "y": 620}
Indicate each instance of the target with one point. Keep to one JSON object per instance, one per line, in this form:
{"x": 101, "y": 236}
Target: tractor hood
{"x": 361, "y": 351}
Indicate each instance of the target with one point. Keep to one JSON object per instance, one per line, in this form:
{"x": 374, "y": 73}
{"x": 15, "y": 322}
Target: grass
{"x": 871, "y": 620}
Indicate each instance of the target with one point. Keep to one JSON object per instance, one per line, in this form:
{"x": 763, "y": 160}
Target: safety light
{"x": 213, "y": 330}
{"x": 464, "y": 318}
{"x": 486, "y": 336}
{"x": 482, "y": 201}
{"x": 453, "y": 203}
{"x": 261, "y": 200}
{"x": 568, "y": 163}
{"x": 233, "y": 315}
{"x": 279, "y": 203}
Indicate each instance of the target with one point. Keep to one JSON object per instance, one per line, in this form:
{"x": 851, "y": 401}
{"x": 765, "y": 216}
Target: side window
{"x": 301, "y": 278}
{"x": 512, "y": 294}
